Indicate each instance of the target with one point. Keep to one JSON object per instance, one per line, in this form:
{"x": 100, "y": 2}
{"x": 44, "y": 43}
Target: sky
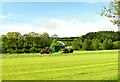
{"x": 66, "y": 19}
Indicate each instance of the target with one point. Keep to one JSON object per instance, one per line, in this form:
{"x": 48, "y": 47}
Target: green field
{"x": 80, "y": 65}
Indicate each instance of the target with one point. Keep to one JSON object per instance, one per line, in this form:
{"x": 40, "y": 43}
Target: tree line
{"x": 14, "y": 42}
{"x": 102, "y": 40}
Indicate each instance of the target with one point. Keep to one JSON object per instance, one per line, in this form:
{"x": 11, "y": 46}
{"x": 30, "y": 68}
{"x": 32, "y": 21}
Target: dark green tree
{"x": 95, "y": 44}
{"x": 110, "y": 44}
{"x": 116, "y": 45}
{"x": 105, "y": 44}
{"x": 77, "y": 43}
{"x": 86, "y": 45}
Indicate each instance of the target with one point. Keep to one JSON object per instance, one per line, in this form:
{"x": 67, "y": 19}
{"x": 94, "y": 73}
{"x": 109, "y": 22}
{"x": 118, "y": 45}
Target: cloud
{"x": 10, "y": 14}
{"x": 77, "y": 28}
{"x": 48, "y": 24}
{"x": 61, "y": 27}
{"x": 3, "y": 17}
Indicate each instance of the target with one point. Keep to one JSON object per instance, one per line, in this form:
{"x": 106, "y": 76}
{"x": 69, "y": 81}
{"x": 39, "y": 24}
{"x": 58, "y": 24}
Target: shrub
{"x": 3, "y": 50}
{"x": 9, "y": 51}
{"x": 32, "y": 50}
{"x": 38, "y": 50}
{"x": 25, "y": 50}
{"x": 116, "y": 45}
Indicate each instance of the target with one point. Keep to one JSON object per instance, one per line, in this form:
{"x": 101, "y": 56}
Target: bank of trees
{"x": 103, "y": 40}
{"x": 14, "y": 42}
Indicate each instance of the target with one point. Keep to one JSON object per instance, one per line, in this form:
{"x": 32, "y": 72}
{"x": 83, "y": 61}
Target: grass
{"x": 80, "y": 65}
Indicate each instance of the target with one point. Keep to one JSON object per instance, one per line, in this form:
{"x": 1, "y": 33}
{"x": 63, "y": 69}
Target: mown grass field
{"x": 80, "y": 65}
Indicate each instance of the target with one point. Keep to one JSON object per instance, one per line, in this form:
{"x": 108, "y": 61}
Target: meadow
{"x": 80, "y": 65}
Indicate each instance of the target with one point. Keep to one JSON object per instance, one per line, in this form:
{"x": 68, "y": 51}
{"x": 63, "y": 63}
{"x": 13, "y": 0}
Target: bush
{"x": 20, "y": 51}
{"x": 24, "y": 50}
{"x": 38, "y": 50}
{"x": 14, "y": 51}
{"x": 3, "y": 50}
{"x": 9, "y": 51}
{"x": 116, "y": 45}
{"x": 32, "y": 50}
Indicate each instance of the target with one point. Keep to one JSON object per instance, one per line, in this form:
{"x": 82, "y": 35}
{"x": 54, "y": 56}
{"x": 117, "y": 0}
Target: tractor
{"x": 46, "y": 50}
{"x": 68, "y": 49}
{"x": 56, "y": 48}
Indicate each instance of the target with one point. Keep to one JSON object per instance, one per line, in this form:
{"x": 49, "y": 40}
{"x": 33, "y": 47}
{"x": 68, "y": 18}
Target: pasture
{"x": 80, "y": 65}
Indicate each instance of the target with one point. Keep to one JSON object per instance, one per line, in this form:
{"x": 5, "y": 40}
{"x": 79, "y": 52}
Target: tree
{"x": 77, "y": 43}
{"x": 34, "y": 38}
{"x": 45, "y": 40}
{"x": 116, "y": 44}
{"x": 86, "y": 45}
{"x": 100, "y": 46}
{"x": 13, "y": 40}
{"x": 110, "y": 44}
{"x": 95, "y": 44}
{"x": 55, "y": 36}
{"x": 4, "y": 43}
{"x": 27, "y": 41}
{"x": 112, "y": 12}
{"x": 105, "y": 44}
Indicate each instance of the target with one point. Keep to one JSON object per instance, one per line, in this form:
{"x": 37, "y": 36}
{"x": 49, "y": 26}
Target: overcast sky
{"x": 61, "y": 18}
